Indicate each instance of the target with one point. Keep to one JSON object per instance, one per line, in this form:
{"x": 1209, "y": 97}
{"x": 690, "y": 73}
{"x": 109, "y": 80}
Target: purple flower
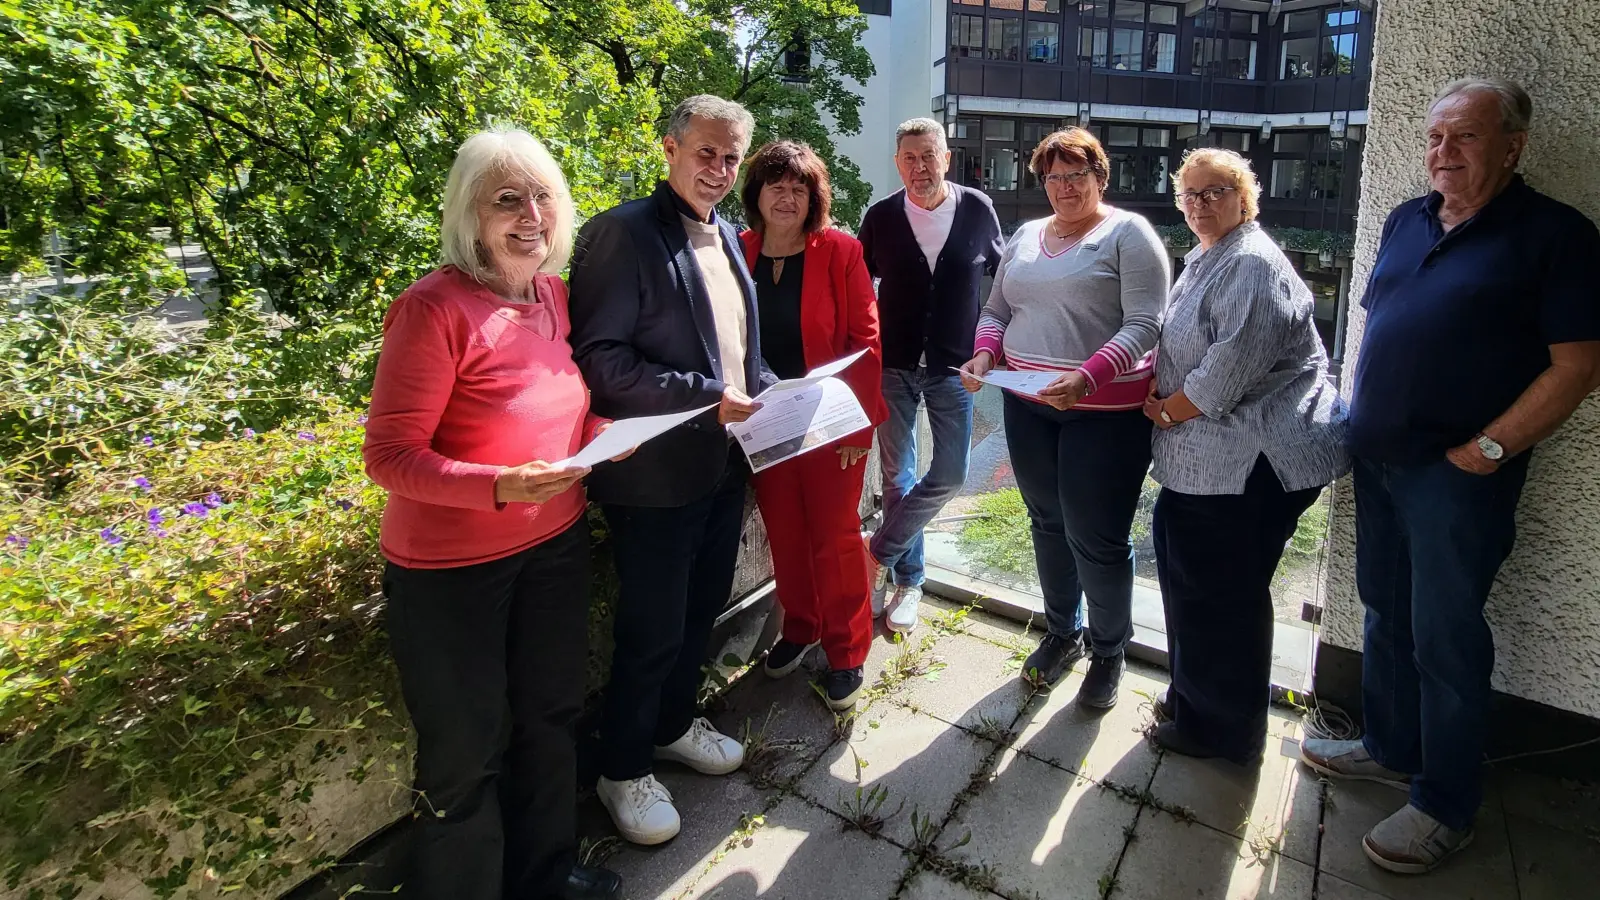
{"x": 141, "y": 483}
{"x": 198, "y": 510}
{"x": 18, "y": 541}
{"x": 306, "y": 435}
{"x": 148, "y": 441}
{"x": 110, "y": 537}
{"x": 361, "y": 419}
{"x": 345, "y": 505}
{"x": 249, "y": 433}
{"x": 213, "y": 500}
{"x": 154, "y": 517}
{"x": 158, "y": 531}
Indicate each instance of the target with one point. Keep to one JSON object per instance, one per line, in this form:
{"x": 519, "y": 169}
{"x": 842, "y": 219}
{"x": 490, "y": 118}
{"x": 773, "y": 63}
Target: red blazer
{"x": 838, "y": 316}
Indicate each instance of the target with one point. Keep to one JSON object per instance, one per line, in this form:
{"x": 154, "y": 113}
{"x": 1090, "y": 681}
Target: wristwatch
{"x": 1490, "y": 448}
{"x": 1166, "y": 417}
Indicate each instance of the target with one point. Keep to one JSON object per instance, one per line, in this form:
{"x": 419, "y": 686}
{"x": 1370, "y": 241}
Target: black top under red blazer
{"x": 838, "y": 316}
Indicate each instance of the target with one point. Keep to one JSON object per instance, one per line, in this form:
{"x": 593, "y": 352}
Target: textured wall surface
{"x": 1545, "y": 611}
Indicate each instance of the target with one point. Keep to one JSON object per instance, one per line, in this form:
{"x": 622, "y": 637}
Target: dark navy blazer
{"x": 644, "y": 337}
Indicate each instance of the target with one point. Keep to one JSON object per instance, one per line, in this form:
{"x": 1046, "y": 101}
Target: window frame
{"x": 1100, "y": 31}
{"x": 1142, "y": 156}
{"x": 1219, "y": 37}
{"x": 1325, "y": 37}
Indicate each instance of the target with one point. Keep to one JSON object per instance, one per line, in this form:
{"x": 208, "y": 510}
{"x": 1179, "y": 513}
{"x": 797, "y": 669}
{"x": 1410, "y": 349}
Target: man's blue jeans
{"x": 1430, "y": 539}
{"x": 910, "y": 504}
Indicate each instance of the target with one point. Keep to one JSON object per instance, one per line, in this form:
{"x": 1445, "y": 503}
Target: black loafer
{"x": 1052, "y": 659}
{"x": 591, "y": 883}
{"x": 1099, "y": 689}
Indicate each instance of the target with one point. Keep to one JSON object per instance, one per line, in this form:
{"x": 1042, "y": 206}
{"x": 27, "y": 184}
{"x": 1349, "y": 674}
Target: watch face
{"x": 1490, "y": 447}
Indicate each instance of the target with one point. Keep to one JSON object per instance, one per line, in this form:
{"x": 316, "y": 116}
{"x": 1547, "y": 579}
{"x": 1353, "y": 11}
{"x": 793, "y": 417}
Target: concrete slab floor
{"x": 951, "y": 782}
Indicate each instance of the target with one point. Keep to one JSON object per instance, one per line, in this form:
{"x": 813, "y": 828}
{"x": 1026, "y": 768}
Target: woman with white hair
{"x": 476, "y": 400}
{"x": 1249, "y": 431}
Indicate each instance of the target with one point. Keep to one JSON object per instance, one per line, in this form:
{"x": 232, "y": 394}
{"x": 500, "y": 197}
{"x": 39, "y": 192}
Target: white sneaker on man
{"x": 641, "y": 809}
{"x": 903, "y": 610}
{"x": 705, "y": 750}
{"x": 880, "y": 591}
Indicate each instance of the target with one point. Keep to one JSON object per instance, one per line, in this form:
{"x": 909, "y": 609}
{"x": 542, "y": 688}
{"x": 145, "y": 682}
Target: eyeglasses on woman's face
{"x": 513, "y": 201}
{"x": 1062, "y": 179}
{"x": 1206, "y": 196}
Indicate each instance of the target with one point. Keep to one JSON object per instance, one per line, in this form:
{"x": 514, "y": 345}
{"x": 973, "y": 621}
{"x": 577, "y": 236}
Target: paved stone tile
{"x": 1552, "y": 864}
{"x": 1044, "y": 831}
{"x": 921, "y": 761}
{"x": 1481, "y": 872}
{"x": 1278, "y": 804}
{"x": 976, "y": 690}
{"x": 783, "y": 723}
{"x": 1331, "y": 888}
{"x": 1099, "y": 745}
{"x": 1170, "y": 860}
{"x": 712, "y": 809}
{"x": 928, "y": 886}
{"x": 984, "y": 625}
{"x": 802, "y": 853}
{"x": 1562, "y": 803}
{"x": 918, "y": 651}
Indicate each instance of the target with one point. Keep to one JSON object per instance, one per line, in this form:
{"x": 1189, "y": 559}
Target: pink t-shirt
{"x": 467, "y": 384}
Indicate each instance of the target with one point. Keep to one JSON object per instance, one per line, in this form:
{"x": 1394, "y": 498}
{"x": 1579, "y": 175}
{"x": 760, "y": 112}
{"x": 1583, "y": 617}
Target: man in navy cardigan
{"x": 930, "y": 246}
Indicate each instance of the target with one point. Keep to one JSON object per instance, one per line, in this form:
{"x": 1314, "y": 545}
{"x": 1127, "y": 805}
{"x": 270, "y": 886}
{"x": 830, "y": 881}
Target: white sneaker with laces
{"x": 903, "y": 611}
{"x": 705, "y": 750}
{"x": 641, "y": 809}
{"x": 880, "y": 591}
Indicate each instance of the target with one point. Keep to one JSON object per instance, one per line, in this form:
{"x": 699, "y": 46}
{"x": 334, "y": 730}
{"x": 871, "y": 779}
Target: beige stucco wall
{"x": 1546, "y": 608}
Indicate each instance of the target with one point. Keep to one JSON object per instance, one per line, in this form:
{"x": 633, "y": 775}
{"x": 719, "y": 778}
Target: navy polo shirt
{"x": 1460, "y": 324}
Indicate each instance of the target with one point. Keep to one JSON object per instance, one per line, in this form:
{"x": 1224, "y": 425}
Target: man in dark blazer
{"x": 664, "y": 320}
{"x": 929, "y": 246}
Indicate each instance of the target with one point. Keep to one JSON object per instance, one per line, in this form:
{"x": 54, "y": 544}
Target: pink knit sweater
{"x": 469, "y": 383}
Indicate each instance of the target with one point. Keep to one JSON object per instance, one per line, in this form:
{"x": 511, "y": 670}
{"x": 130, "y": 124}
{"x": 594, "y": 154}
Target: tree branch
{"x": 246, "y": 130}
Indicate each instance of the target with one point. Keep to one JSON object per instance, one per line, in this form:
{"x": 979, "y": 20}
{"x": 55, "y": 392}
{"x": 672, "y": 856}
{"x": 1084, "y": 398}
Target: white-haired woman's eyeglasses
{"x": 1208, "y": 196}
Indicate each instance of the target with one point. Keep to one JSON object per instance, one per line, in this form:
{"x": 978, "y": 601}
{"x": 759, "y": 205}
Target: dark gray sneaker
{"x": 1052, "y": 659}
{"x": 1099, "y": 688}
{"x": 843, "y": 687}
{"x": 784, "y": 658}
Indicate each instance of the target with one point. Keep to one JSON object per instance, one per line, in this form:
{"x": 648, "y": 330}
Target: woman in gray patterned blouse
{"x": 1249, "y": 431}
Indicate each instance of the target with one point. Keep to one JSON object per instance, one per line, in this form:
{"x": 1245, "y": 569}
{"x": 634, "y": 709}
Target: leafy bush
{"x": 172, "y": 624}
{"x": 1002, "y": 540}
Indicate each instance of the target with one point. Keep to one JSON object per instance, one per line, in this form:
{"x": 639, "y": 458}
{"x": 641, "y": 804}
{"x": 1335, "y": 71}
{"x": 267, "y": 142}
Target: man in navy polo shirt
{"x": 1482, "y": 337}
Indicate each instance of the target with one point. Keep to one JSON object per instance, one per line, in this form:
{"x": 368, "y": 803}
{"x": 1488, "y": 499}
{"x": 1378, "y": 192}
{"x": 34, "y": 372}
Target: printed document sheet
{"x": 800, "y": 415}
{"x": 625, "y": 435}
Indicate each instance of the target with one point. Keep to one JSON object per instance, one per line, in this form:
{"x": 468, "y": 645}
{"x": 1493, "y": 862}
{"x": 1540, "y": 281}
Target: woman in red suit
{"x": 815, "y": 303}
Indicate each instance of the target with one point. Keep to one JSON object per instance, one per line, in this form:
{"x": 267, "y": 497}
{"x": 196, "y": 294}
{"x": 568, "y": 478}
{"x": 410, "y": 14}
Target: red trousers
{"x": 810, "y": 507}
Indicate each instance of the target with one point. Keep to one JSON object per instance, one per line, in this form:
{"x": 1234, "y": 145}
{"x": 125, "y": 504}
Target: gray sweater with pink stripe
{"x": 1096, "y": 306}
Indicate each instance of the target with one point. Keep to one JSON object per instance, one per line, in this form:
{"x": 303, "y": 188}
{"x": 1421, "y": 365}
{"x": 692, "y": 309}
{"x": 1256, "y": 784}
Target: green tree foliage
{"x": 304, "y": 143}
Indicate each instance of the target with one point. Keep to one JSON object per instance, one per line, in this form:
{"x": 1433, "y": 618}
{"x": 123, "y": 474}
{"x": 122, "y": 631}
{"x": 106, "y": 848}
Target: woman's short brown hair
{"x": 788, "y": 159}
{"x": 1071, "y": 145}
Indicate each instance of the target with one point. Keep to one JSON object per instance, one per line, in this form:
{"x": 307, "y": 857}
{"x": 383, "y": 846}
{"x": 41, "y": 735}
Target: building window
{"x": 1225, "y": 44}
{"x": 1000, "y": 157}
{"x": 1319, "y": 43}
{"x": 1034, "y": 131}
{"x": 1044, "y": 42}
{"x": 1290, "y": 160}
{"x": 1005, "y": 39}
{"x": 966, "y": 36}
{"x": 875, "y": 7}
{"x": 1034, "y": 6}
{"x": 1140, "y": 36}
{"x": 1140, "y": 158}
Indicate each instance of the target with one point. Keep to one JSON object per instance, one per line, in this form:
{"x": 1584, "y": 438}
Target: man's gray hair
{"x": 917, "y": 128}
{"x": 1516, "y": 107}
{"x": 710, "y": 106}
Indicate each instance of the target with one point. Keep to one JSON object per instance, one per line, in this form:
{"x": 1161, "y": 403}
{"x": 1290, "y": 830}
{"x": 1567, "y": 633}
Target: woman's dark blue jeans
{"x": 1080, "y": 473}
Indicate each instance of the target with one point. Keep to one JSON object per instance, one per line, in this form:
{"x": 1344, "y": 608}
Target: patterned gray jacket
{"x": 1239, "y": 341}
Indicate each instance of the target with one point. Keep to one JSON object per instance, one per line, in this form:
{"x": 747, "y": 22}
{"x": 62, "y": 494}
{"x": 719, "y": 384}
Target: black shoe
{"x": 1164, "y": 710}
{"x": 784, "y": 658}
{"x": 1099, "y": 688}
{"x": 842, "y": 687}
{"x": 1169, "y": 737}
{"x": 1052, "y": 659}
{"x": 591, "y": 883}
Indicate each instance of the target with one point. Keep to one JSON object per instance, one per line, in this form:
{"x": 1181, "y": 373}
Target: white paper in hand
{"x": 628, "y": 434}
{"x": 826, "y": 370}
{"x": 1028, "y": 384}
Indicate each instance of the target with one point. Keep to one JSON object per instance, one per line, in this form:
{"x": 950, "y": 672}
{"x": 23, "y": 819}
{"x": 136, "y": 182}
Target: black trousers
{"x": 1216, "y": 556}
{"x": 675, "y": 572}
{"x": 491, "y": 660}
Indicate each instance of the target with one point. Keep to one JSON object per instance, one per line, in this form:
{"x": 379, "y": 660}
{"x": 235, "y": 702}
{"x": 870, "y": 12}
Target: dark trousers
{"x": 675, "y": 568}
{"x": 1429, "y": 541}
{"x": 491, "y": 660}
{"x": 1080, "y": 474}
{"x": 1216, "y": 556}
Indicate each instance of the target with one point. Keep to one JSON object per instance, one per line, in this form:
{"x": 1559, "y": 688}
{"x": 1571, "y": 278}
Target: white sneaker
{"x": 705, "y": 750}
{"x": 880, "y": 591}
{"x": 641, "y": 809}
{"x": 903, "y": 611}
